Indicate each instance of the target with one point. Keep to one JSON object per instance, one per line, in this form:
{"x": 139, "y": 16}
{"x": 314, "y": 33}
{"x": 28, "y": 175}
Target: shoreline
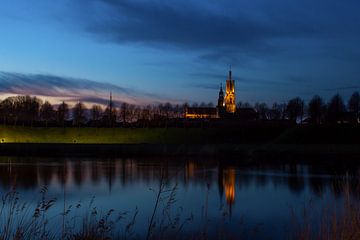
{"x": 237, "y": 152}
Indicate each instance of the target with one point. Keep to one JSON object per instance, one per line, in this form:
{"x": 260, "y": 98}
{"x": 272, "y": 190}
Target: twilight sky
{"x": 156, "y": 51}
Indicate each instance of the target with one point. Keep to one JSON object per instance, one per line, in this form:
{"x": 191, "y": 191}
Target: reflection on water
{"x": 229, "y": 185}
{"x": 260, "y": 193}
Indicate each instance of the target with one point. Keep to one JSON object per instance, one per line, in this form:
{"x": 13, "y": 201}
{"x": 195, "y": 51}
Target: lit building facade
{"x": 230, "y": 103}
{"x": 226, "y": 103}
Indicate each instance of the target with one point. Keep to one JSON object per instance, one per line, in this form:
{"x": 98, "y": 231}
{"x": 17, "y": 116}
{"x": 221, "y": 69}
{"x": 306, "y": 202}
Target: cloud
{"x": 207, "y": 86}
{"x": 191, "y": 25}
{"x": 342, "y": 88}
{"x": 225, "y": 31}
{"x": 57, "y": 89}
{"x": 208, "y": 75}
{"x": 221, "y": 78}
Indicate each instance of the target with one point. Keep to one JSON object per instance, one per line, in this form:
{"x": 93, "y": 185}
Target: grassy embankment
{"x": 96, "y": 135}
{"x": 258, "y": 134}
{"x": 259, "y": 142}
{"x": 10, "y": 134}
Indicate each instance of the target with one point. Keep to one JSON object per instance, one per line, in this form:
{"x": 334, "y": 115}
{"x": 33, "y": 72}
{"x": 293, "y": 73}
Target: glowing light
{"x": 229, "y": 185}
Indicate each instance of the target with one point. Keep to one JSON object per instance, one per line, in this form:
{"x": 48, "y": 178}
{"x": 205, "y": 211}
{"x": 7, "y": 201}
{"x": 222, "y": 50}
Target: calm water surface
{"x": 252, "y": 201}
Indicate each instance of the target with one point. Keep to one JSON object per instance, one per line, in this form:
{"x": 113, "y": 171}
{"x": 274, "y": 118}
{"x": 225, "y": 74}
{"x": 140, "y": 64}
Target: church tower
{"x": 230, "y": 103}
{"x": 221, "y": 98}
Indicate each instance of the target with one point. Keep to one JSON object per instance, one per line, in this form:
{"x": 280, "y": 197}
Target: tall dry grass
{"x": 336, "y": 222}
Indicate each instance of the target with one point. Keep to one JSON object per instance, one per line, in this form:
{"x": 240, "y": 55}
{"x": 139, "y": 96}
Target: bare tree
{"x": 124, "y": 109}
{"x": 166, "y": 110}
{"x": 96, "y": 114}
{"x": 109, "y": 117}
{"x": 7, "y": 110}
{"x": 203, "y": 104}
{"x": 194, "y": 105}
{"x": 146, "y": 113}
{"x": 130, "y": 113}
{"x": 316, "y": 109}
{"x": 262, "y": 109}
{"x": 335, "y": 108}
{"x": 354, "y": 104}
{"x": 79, "y": 114}
{"x": 275, "y": 113}
{"x": 26, "y": 109}
{"x": 47, "y": 113}
{"x": 246, "y": 105}
{"x": 295, "y": 108}
{"x": 62, "y": 113}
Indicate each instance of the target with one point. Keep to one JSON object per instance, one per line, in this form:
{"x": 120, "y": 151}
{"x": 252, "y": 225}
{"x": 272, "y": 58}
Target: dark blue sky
{"x": 149, "y": 51}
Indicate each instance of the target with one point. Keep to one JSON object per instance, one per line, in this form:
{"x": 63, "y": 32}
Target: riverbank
{"x": 257, "y": 142}
{"x": 251, "y": 133}
{"x": 232, "y": 152}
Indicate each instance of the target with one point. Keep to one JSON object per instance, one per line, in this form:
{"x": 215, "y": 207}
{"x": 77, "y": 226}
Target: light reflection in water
{"x": 229, "y": 186}
{"x": 264, "y": 191}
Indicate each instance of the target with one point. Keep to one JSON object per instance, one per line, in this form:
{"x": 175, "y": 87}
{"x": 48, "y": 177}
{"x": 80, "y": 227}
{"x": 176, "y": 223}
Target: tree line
{"x": 30, "y": 111}
{"x": 316, "y": 111}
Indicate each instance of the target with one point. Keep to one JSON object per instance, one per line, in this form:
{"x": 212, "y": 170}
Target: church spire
{"x": 230, "y": 72}
{"x": 221, "y": 97}
{"x": 230, "y": 94}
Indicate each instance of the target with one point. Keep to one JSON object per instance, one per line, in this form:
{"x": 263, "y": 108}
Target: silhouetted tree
{"x": 166, "y": 108}
{"x": 210, "y": 105}
{"x": 79, "y": 114}
{"x": 354, "y": 104}
{"x": 246, "y": 105}
{"x": 110, "y": 116}
{"x": 146, "y": 113}
{"x": 124, "y": 110}
{"x": 62, "y": 113}
{"x": 335, "y": 108}
{"x": 316, "y": 109}
{"x": 295, "y": 108}
{"x": 130, "y": 113}
{"x": 282, "y": 108}
{"x": 239, "y": 104}
{"x": 47, "y": 113}
{"x": 275, "y": 113}
{"x": 27, "y": 109}
{"x": 178, "y": 111}
{"x": 96, "y": 114}
{"x": 7, "y": 110}
{"x": 195, "y": 105}
{"x": 262, "y": 109}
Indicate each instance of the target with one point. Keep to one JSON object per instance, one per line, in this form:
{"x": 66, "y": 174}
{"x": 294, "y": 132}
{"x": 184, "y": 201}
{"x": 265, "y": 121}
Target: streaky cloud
{"x": 355, "y": 87}
{"x": 56, "y": 88}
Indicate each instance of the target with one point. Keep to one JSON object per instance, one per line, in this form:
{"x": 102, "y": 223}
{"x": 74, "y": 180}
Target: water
{"x": 220, "y": 199}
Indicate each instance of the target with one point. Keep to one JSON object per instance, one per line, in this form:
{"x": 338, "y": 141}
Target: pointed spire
{"x": 230, "y": 72}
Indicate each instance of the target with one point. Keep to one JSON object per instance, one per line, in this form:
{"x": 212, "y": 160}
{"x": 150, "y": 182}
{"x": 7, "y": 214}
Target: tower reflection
{"x": 32, "y": 173}
{"x": 229, "y": 186}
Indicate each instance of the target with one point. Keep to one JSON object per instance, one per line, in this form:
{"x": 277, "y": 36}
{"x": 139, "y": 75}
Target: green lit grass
{"x": 9, "y": 134}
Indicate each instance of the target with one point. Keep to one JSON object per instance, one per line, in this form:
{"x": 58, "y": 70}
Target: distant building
{"x": 230, "y": 103}
{"x": 226, "y": 107}
{"x": 201, "y": 112}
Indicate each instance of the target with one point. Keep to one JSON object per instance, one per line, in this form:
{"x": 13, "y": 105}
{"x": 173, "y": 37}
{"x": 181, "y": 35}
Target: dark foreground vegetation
{"x": 85, "y": 221}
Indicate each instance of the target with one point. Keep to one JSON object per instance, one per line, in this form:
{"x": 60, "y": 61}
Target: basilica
{"x": 226, "y": 107}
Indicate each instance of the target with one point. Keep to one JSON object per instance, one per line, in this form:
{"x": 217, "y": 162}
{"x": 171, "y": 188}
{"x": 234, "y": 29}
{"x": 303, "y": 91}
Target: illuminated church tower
{"x": 221, "y": 103}
{"x": 230, "y": 104}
